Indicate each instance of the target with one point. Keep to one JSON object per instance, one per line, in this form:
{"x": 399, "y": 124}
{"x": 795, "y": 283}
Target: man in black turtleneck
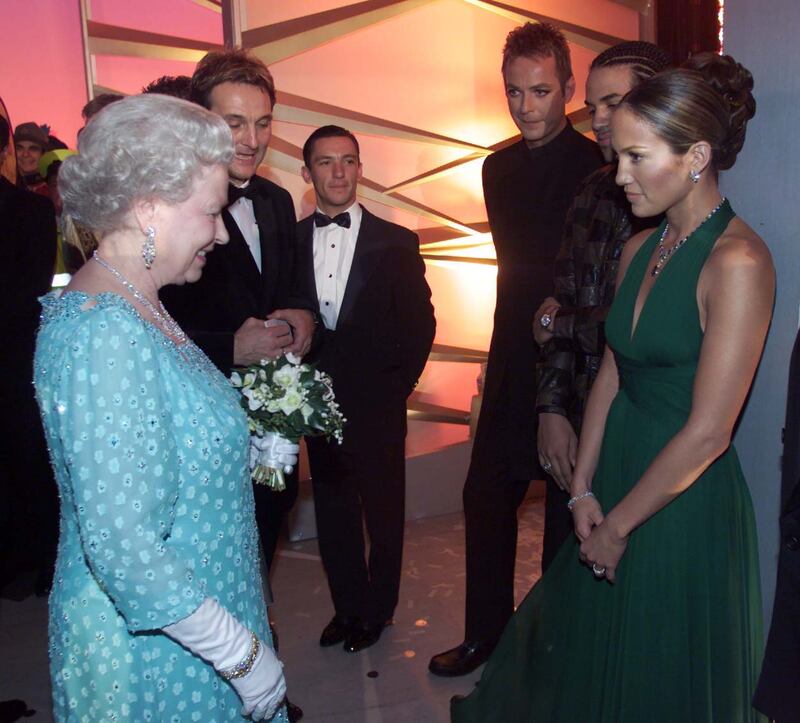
{"x": 528, "y": 188}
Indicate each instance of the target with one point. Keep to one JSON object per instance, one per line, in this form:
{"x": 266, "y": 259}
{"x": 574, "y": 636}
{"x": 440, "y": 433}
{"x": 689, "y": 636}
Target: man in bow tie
{"x": 252, "y": 279}
{"x": 375, "y": 306}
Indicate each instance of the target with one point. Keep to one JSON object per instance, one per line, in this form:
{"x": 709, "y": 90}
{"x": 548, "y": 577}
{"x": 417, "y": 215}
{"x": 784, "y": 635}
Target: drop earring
{"x": 149, "y": 246}
{"x": 694, "y": 176}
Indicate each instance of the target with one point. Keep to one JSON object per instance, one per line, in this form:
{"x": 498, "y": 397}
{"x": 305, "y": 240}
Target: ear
{"x": 569, "y": 89}
{"x": 306, "y": 174}
{"x": 699, "y": 156}
{"x": 145, "y": 212}
{"x": 360, "y": 172}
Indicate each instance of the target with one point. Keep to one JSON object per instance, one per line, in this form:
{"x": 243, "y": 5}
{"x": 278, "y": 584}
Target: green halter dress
{"x": 677, "y": 639}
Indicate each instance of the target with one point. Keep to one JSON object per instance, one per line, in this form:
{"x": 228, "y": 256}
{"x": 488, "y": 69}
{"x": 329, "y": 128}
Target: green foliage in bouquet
{"x": 289, "y": 398}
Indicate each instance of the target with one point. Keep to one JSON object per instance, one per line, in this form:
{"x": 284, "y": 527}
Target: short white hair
{"x": 141, "y": 147}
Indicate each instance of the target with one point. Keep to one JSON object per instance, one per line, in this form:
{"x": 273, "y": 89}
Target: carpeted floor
{"x": 387, "y": 683}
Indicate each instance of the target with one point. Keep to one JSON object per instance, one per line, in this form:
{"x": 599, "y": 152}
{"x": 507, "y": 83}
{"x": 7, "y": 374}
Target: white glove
{"x": 213, "y": 634}
{"x": 272, "y": 450}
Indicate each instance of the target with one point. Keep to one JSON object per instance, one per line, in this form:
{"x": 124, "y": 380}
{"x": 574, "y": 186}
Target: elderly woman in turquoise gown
{"x": 157, "y": 612}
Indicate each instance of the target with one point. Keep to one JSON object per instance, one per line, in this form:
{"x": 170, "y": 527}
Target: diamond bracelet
{"x": 245, "y": 666}
{"x": 577, "y": 498}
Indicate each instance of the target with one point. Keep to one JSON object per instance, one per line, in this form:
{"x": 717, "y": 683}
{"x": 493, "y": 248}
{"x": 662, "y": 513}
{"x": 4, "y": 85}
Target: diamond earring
{"x": 694, "y": 176}
{"x": 149, "y": 246}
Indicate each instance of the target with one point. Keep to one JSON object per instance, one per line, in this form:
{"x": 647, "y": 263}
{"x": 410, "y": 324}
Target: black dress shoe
{"x": 337, "y": 630}
{"x": 364, "y": 636}
{"x": 294, "y": 712}
{"x": 462, "y": 659}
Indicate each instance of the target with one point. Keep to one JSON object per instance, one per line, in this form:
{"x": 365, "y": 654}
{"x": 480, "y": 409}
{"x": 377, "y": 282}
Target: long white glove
{"x": 274, "y": 451}
{"x": 213, "y": 634}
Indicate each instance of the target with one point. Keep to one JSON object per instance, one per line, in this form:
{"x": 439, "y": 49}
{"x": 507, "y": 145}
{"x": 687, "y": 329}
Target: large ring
{"x": 545, "y": 320}
{"x": 547, "y": 467}
{"x": 598, "y": 571}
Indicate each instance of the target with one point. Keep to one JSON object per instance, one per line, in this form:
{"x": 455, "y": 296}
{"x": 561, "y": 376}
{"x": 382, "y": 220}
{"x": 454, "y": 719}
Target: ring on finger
{"x": 547, "y": 467}
{"x": 598, "y": 571}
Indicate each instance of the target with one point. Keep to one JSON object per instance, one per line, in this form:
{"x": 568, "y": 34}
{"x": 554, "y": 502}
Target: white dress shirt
{"x": 334, "y": 247}
{"x": 245, "y": 217}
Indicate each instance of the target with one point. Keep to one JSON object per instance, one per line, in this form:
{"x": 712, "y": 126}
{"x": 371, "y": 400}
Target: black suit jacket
{"x": 778, "y": 694}
{"x": 232, "y": 289}
{"x": 386, "y": 325}
{"x": 527, "y": 194}
{"x": 27, "y": 259}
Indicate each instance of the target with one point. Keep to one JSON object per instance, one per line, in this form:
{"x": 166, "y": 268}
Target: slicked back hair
{"x": 327, "y": 132}
{"x": 229, "y": 66}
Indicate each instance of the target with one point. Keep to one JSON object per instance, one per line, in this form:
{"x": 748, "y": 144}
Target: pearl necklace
{"x": 665, "y": 253}
{"x": 162, "y": 316}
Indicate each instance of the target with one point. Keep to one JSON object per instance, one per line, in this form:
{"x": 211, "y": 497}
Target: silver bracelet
{"x": 578, "y": 498}
{"x": 245, "y": 666}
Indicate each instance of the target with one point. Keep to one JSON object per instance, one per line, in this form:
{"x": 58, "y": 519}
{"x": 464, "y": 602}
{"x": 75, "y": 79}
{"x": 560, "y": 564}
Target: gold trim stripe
{"x": 292, "y": 108}
{"x": 113, "y": 40}
{"x": 578, "y": 34}
{"x": 459, "y": 259}
{"x": 276, "y": 42}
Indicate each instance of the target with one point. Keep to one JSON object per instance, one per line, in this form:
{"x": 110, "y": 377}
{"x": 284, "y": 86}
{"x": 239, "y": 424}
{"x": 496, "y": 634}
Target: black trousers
{"x": 362, "y": 483}
{"x": 492, "y": 496}
{"x": 271, "y": 510}
{"x": 778, "y": 694}
{"x": 29, "y": 505}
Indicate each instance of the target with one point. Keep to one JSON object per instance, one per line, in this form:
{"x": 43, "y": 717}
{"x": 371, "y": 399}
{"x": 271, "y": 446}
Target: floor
{"x": 388, "y": 683}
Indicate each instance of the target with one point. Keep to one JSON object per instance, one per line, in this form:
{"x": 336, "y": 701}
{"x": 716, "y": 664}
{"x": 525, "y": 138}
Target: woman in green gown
{"x": 653, "y": 613}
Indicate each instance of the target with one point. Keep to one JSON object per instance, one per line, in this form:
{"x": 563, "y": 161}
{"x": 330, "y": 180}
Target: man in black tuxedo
{"x": 28, "y": 495}
{"x": 252, "y": 279}
{"x": 528, "y": 188}
{"x": 778, "y": 694}
{"x": 379, "y": 326}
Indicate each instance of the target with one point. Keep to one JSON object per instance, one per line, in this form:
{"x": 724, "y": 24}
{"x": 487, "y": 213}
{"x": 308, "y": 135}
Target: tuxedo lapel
{"x": 270, "y": 248}
{"x": 244, "y": 267}
{"x": 364, "y": 261}
{"x": 305, "y": 257}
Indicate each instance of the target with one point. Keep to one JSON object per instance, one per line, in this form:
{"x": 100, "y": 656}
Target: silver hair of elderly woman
{"x": 145, "y": 146}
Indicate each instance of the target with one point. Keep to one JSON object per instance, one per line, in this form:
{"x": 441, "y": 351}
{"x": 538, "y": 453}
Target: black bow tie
{"x": 342, "y": 219}
{"x": 237, "y": 192}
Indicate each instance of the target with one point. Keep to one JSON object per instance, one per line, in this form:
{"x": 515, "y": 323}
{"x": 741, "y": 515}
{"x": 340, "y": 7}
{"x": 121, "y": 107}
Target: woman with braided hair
{"x": 654, "y": 613}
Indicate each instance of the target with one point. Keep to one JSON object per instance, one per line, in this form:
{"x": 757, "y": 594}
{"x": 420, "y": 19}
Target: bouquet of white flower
{"x": 285, "y": 400}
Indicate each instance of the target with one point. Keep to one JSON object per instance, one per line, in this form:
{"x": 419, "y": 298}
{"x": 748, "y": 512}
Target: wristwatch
{"x": 545, "y": 321}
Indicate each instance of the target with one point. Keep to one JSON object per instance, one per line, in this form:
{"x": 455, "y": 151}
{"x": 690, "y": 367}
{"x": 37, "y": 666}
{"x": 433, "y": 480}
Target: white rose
{"x": 291, "y": 401}
{"x": 253, "y": 402}
{"x": 286, "y": 376}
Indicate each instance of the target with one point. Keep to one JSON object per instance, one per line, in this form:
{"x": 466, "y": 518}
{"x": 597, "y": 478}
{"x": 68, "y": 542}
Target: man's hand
{"x": 253, "y": 342}
{"x": 541, "y": 334}
{"x": 558, "y": 447}
{"x": 302, "y": 323}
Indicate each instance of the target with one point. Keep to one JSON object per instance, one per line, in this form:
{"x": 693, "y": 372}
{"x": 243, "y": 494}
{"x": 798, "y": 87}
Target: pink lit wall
{"x": 41, "y": 57}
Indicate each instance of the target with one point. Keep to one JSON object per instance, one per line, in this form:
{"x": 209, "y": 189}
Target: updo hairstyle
{"x": 145, "y": 146}
{"x": 708, "y": 99}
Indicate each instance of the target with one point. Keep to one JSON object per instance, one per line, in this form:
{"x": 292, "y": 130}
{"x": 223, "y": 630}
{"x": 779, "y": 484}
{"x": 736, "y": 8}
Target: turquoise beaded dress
{"x": 148, "y": 443}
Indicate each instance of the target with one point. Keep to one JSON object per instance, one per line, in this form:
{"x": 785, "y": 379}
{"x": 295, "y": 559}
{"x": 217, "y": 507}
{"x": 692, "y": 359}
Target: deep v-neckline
{"x": 713, "y": 225}
{"x": 637, "y": 318}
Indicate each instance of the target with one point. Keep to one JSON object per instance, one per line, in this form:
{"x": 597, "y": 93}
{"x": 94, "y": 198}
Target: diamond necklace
{"x": 161, "y": 316}
{"x": 664, "y": 253}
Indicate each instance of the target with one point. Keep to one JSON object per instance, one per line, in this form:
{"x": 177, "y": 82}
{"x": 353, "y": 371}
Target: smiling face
{"x": 655, "y": 178}
{"x": 535, "y": 98}
{"x": 605, "y": 88}
{"x": 248, "y": 112}
{"x": 187, "y": 231}
{"x": 335, "y": 171}
{"x": 28, "y": 155}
